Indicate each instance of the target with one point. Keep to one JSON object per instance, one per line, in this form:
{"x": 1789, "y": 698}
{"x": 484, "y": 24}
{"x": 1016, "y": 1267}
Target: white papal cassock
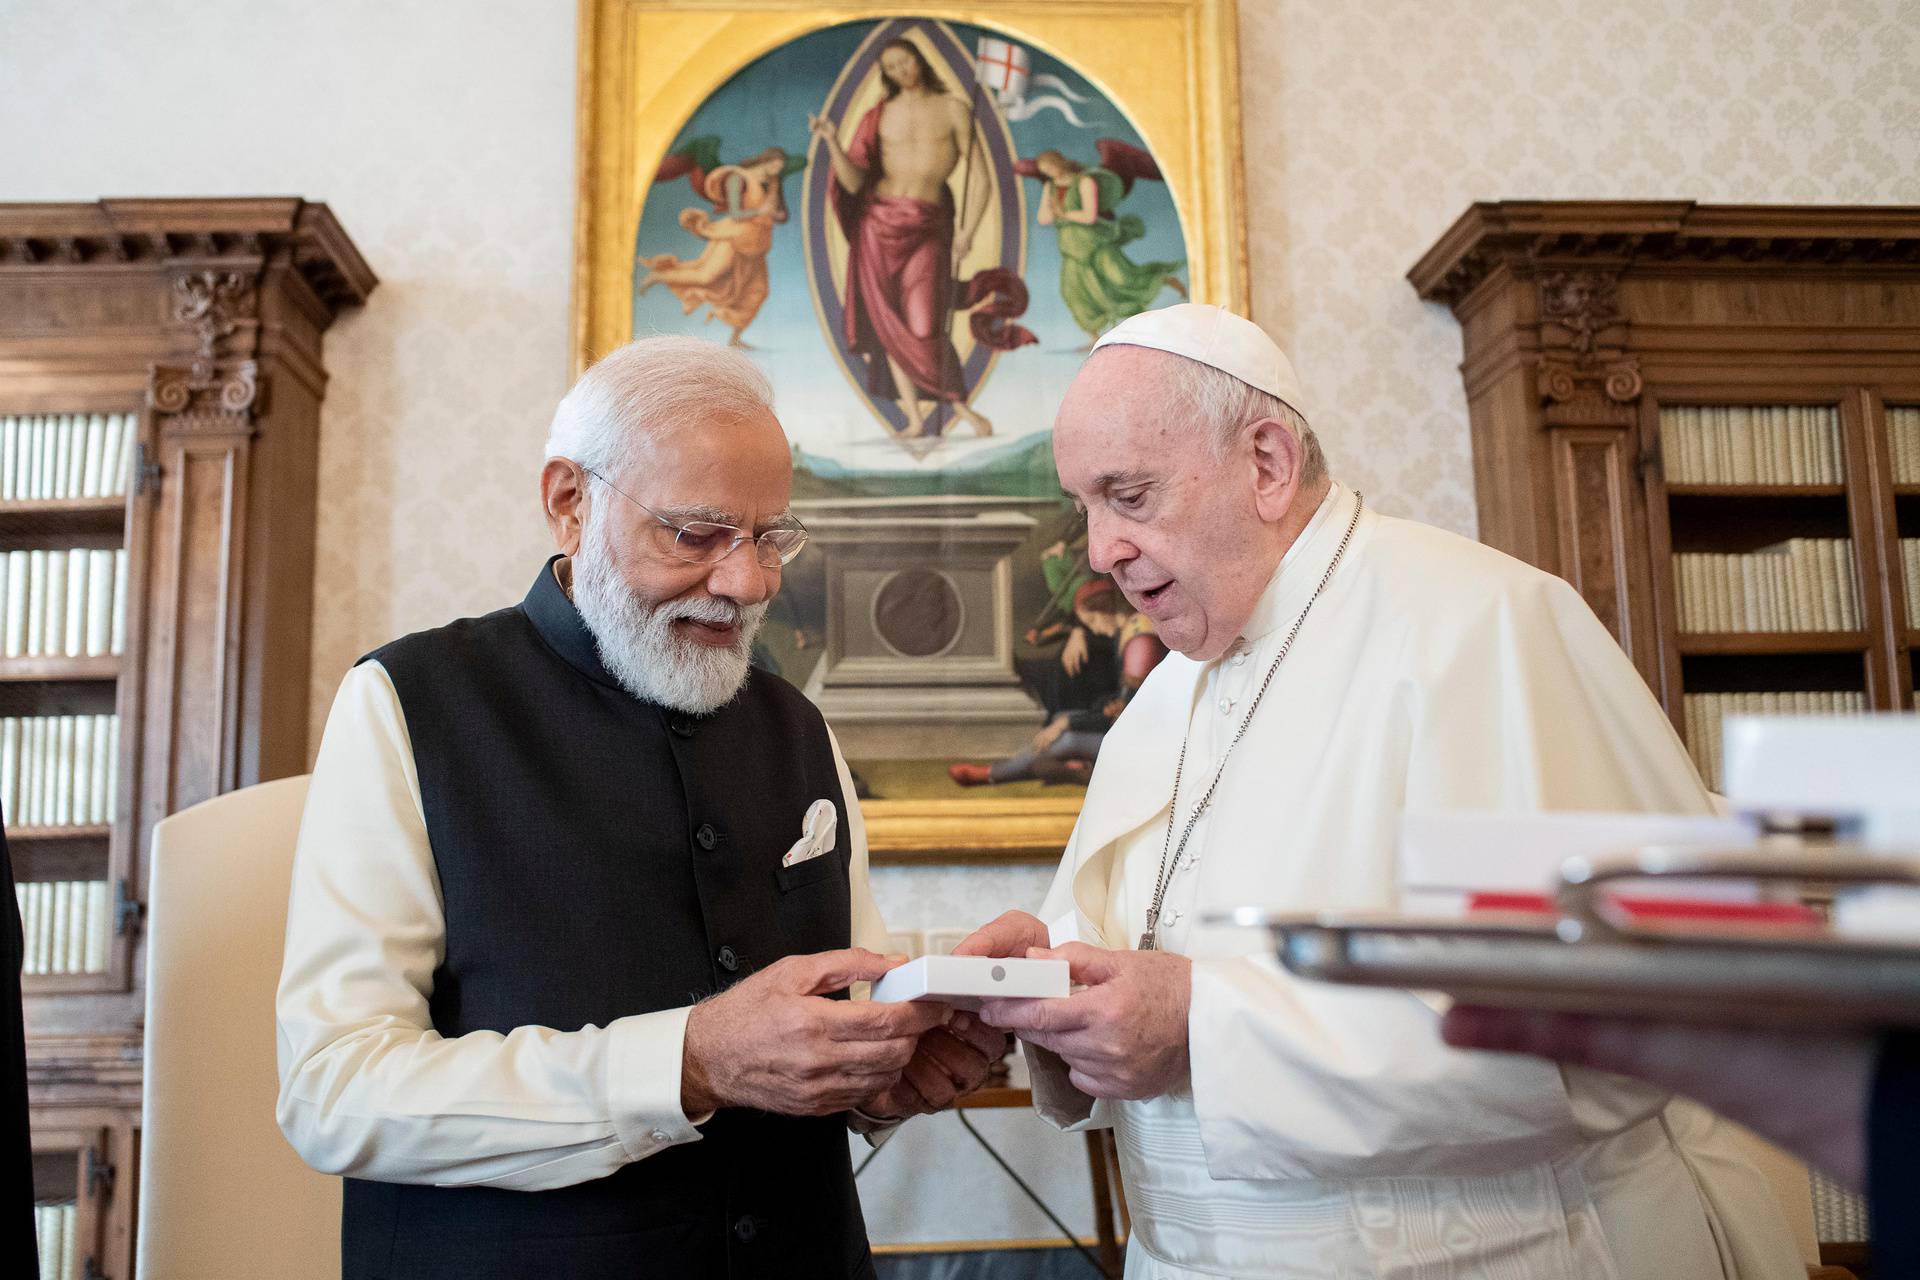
{"x": 1327, "y": 1132}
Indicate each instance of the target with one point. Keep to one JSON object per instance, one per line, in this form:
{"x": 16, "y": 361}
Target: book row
{"x": 1702, "y": 713}
{"x": 1903, "y": 438}
{"x": 1751, "y": 444}
{"x": 1802, "y": 584}
{"x": 64, "y": 603}
{"x": 68, "y": 925}
{"x": 67, "y": 455}
{"x": 58, "y": 771}
{"x": 1910, "y": 573}
{"x": 53, "y": 1232}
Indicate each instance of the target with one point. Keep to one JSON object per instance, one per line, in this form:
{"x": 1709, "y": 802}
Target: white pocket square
{"x": 817, "y": 834}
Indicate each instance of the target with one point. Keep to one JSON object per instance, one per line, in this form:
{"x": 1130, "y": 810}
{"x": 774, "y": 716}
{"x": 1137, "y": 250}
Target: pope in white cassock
{"x": 1334, "y": 668}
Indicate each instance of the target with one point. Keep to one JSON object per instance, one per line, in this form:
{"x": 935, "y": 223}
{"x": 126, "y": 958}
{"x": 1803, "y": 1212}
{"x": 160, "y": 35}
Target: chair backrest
{"x": 221, "y": 1193}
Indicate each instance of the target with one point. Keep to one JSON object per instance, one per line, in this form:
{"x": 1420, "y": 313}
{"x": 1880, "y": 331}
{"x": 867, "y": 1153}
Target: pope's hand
{"x": 1125, "y": 1036}
{"x": 1012, "y": 934}
{"x": 773, "y": 1042}
{"x": 950, "y": 1061}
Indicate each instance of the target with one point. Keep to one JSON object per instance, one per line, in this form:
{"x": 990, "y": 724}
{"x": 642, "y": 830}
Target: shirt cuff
{"x": 643, "y": 1082}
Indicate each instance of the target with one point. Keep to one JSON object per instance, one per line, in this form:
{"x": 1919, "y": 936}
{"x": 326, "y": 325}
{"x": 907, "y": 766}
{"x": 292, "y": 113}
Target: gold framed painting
{"x": 917, "y": 219}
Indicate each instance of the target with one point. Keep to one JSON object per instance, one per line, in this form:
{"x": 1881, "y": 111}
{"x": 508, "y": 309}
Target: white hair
{"x": 636, "y": 395}
{"x": 637, "y": 642}
{"x": 1222, "y": 405}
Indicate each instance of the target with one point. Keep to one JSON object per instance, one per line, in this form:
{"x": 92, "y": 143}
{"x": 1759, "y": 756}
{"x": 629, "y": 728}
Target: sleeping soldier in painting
{"x": 1104, "y": 657}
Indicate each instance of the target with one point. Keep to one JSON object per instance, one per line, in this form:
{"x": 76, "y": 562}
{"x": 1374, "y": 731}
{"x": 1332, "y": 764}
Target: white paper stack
{"x": 1455, "y": 863}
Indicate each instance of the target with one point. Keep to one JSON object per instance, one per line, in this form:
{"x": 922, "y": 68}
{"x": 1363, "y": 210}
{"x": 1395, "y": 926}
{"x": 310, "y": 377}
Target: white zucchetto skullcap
{"x": 1216, "y": 337}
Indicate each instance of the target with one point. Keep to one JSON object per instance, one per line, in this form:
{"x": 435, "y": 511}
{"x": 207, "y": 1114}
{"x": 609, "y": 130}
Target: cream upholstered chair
{"x": 221, "y": 1193}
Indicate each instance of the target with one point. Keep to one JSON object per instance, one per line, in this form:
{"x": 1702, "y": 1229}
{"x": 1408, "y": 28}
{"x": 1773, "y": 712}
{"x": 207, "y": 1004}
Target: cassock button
{"x": 681, "y": 726}
{"x": 745, "y": 1230}
{"x": 705, "y": 836}
{"x": 727, "y": 959}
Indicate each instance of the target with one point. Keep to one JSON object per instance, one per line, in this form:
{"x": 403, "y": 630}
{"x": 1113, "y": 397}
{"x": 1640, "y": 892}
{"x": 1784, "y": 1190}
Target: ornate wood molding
{"x": 209, "y": 236}
{"x": 1589, "y": 395}
{"x": 1592, "y": 381}
{"x": 1530, "y": 235}
{"x": 215, "y": 303}
{"x": 212, "y": 395}
{"x": 207, "y": 395}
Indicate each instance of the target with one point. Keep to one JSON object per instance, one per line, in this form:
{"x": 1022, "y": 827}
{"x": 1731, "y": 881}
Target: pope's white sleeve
{"x": 1055, "y": 1097}
{"x": 367, "y": 1087}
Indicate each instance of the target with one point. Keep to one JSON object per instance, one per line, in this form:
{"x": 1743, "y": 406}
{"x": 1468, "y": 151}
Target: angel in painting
{"x": 1101, "y": 285}
{"x": 729, "y": 277}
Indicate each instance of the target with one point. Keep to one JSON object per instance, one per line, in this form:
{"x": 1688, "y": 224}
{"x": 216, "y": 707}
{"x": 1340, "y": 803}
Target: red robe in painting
{"x": 900, "y": 285}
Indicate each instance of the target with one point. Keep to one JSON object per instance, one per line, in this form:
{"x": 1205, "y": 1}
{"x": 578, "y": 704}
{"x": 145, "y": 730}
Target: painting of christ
{"x": 894, "y": 218}
{"x": 907, "y": 236}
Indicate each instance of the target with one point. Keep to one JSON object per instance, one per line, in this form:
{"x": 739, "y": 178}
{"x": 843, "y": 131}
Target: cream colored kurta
{"x": 1325, "y": 1131}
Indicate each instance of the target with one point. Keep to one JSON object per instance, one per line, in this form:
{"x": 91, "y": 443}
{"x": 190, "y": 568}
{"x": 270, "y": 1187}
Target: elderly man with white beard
{"x": 1333, "y": 668}
{"x": 576, "y": 890}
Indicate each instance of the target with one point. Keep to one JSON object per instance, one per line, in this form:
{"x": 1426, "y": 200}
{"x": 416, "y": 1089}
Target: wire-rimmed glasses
{"x": 709, "y": 542}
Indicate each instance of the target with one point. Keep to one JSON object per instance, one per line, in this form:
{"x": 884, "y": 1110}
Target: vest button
{"x": 728, "y": 961}
{"x": 745, "y": 1230}
{"x": 705, "y": 836}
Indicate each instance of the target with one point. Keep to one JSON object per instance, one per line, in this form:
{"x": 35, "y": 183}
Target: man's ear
{"x": 1276, "y": 467}
{"x": 564, "y": 501}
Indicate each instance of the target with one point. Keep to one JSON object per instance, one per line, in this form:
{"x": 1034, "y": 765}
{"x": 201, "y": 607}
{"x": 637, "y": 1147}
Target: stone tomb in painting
{"x": 918, "y": 658}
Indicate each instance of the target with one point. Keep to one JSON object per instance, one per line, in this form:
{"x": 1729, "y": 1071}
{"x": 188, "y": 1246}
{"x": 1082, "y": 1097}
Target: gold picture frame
{"x": 646, "y": 65}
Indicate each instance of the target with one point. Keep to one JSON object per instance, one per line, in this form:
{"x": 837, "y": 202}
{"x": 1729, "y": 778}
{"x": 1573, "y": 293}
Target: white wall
{"x": 442, "y": 135}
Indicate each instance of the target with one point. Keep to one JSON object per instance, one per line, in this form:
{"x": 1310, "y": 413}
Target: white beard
{"x": 640, "y": 647}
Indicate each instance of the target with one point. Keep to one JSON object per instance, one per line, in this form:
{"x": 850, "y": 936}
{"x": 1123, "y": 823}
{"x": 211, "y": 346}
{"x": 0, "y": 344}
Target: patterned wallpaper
{"x": 446, "y": 149}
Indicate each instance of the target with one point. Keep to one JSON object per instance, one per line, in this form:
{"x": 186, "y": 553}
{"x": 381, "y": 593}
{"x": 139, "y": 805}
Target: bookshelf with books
{"x": 160, "y": 383}
{"x": 65, "y": 489}
{"x": 1903, "y": 466}
{"x": 1707, "y": 418}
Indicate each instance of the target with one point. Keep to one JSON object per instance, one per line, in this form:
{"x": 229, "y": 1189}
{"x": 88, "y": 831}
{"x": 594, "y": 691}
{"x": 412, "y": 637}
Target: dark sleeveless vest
{"x": 600, "y": 856}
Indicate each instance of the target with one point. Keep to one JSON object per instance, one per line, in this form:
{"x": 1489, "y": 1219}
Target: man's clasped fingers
{"x": 867, "y": 1020}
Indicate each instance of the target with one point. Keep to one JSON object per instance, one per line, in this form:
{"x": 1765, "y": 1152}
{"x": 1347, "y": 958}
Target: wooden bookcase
{"x": 1591, "y": 329}
{"x": 200, "y": 321}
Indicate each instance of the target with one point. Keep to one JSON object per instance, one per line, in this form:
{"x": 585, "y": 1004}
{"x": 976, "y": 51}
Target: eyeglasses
{"x": 708, "y": 542}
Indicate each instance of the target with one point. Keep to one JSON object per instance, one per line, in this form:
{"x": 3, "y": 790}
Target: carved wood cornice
{"x": 218, "y": 236}
{"x": 1533, "y": 236}
{"x": 207, "y": 396}
{"x": 1591, "y": 381}
{"x": 1596, "y": 393}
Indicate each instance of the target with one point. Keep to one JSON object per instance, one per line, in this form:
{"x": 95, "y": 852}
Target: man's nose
{"x": 739, "y": 575}
{"x": 1105, "y": 548}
